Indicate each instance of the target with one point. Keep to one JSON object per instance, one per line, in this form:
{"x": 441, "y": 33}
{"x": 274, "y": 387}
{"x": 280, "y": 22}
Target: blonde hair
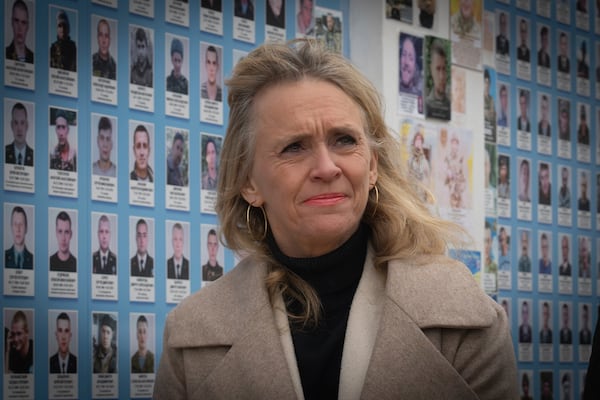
{"x": 401, "y": 225}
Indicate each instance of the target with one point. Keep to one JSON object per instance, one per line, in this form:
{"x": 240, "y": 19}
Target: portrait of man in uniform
{"x": 18, "y": 256}
{"x": 141, "y": 59}
{"x": 17, "y": 50}
{"x": 104, "y": 261}
{"x": 103, "y": 63}
{"x": 19, "y": 152}
{"x": 142, "y": 264}
{"x": 176, "y": 81}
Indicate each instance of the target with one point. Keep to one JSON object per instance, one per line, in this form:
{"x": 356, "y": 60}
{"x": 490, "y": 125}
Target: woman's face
{"x": 312, "y": 168}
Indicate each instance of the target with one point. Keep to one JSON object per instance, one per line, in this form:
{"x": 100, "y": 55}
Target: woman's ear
{"x": 251, "y": 194}
{"x": 373, "y": 168}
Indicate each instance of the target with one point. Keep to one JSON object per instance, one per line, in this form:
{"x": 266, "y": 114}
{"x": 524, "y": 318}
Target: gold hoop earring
{"x": 376, "y": 200}
{"x": 249, "y": 226}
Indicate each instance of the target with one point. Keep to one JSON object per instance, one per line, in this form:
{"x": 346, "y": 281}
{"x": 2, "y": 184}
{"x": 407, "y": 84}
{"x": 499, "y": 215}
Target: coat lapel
{"x": 401, "y": 355}
{"x": 254, "y": 367}
{"x": 244, "y": 344}
{"x": 419, "y": 297}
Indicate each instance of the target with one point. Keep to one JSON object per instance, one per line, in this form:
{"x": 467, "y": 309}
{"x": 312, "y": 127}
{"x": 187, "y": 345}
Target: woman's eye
{"x": 345, "y": 140}
{"x": 292, "y": 148}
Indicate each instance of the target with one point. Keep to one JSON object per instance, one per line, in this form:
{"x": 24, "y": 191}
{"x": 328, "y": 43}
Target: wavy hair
{"x": 401, "y": 225}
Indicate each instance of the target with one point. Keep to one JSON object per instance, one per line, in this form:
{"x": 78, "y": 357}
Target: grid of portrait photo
{"x": 542, "y": 157}
{"x": 540, "y": 67}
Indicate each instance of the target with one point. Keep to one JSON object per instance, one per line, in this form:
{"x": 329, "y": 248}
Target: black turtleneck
{"x": 335, "y": 277}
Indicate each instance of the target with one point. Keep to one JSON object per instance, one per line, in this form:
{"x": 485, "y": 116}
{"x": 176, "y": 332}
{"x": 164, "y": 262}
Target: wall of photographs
{"x": 110, "y": 165}
{"x": 533, "y": 163}
{"x": 543, "y": 202}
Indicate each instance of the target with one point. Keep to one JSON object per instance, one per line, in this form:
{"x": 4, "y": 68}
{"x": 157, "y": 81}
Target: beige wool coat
{"x": 418, "y": 330}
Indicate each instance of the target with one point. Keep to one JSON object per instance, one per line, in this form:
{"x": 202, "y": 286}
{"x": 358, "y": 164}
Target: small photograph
{"x": 566, "y": 334}
{"x": 526, "y": 385}
{"x": 275, "y": 11}
{"x": 305, "y": 19}
{"x": 142, "y": 340}
{"x": 503, "y": 108}
{"x": 544, "y": 125}
{"x": 489, "y": 104}
{"x": 545, "y": 322}
{"x": 583, "y": 65}
{"x": 437, "y": 78}
{"x": 328, "y": 28}
{"x": 244, "y": 9}
{"x": 524, "y": 264}
{"x": 63, "y": 344}
{"x": 177, "y": 60}
{"x": 563, "y": 62}
{"x": 585, "y": 333}
{"x": 426, "y": 13}
{"x": 19, "y": 18}
{"x": 211, "y": 75}
{"x": 63, "y": 27}
{"x": 544, "y": 184}
{"x": 545, "y": 253}
{"x": 465, "y": 21}
{"x": 20, "y": 117}
{"x": 141, "y": 138}
{"x": 419, "y": 160}
{"x": 214, "y": 5}
{"x": 546, "y": 379}
{"x": 525, "y": 332}
{"x": 543, "y": 55}
{"x": 104, "y": 260}
{"x": 411, "y": 61}
{"x": 524, "y": 180}
{"x": 503, "y": 36}
{"x": 212, "y": 269}
{"x": 211, "y": 148}
{"x": 523, "y": 122}
{"x": 503, "y": 185}
{"x": 564, "y": 192}
{"x": 583, "y": 200}
{"x": 490, "y": 173}
{"x": 583, "y": 127}
{"x": 401, "y": 10}
{"x": 104, "y": 64}
{"x": 504, "y": 242}
{"x": 64, "y": 144}
{"x": 18, "y": 245}
{"x": 178, "y": 265}
{"x": 18, "y": 341}
{"x": 177, "y": 157}
{"x": 104, "y": 343}
{"x": 523, "y": 50}
{"x": 102, "y": 153}
{"x": 585, "y": 258}
{"x": 141, "y": 54}
{"x": 142, "y": 262}
{"x": 63, "y": 258}
{"x": 565, "y": 268}
{"x": 564, "y": 119}
{"x": 490, "y": 264}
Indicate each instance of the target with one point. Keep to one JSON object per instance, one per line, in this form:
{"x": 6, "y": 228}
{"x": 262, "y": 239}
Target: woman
{"x": 345, "y": 291}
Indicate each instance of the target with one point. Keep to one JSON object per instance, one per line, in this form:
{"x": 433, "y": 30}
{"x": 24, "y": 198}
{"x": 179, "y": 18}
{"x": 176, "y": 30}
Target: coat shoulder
{"x": 438, "y": 291}
{"x": 212, "y": 315}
